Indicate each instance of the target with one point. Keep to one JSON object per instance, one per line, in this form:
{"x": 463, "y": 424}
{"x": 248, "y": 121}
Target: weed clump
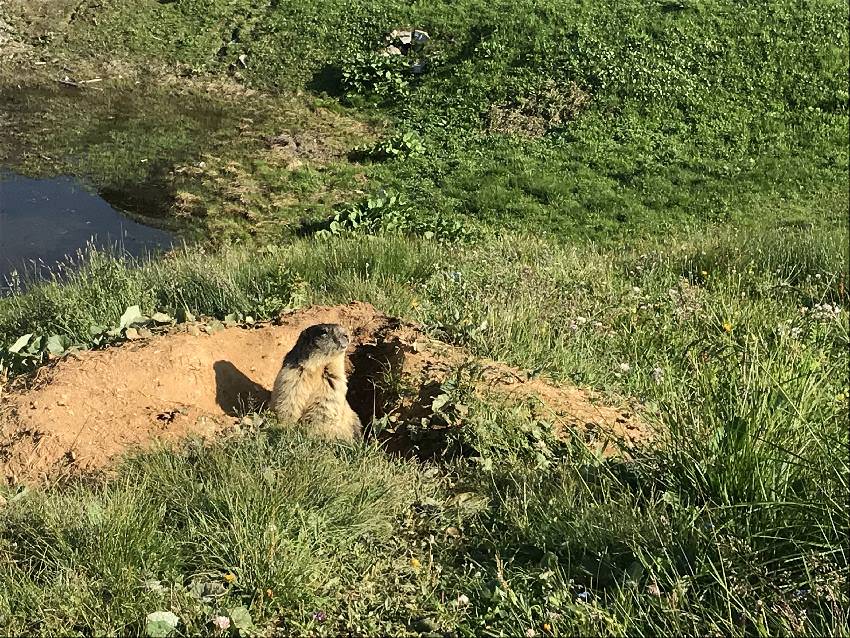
{"x": 393, "y": 213}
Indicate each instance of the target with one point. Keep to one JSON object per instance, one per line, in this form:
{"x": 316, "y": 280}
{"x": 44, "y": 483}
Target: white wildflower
{"x": 221, "y": 622}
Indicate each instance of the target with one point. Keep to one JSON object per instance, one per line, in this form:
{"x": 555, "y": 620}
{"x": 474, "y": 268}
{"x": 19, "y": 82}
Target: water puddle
{"x": 43, "y": 221}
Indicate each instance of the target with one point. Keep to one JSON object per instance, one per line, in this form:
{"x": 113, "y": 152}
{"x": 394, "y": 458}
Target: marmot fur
{"x": 311, "y": 386}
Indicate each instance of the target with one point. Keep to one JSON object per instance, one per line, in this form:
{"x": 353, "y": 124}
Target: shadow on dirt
{"x": 235, "y": 393}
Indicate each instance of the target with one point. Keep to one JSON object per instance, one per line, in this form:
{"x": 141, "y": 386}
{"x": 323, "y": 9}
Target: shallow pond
{"x": 44, "y": 221}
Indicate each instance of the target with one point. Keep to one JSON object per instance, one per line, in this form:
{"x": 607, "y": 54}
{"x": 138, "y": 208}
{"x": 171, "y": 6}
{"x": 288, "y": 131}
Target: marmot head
{"x": 322, "y": 341}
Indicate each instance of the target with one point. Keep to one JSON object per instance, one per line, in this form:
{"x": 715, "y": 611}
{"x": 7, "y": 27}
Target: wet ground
{"x": 45, "y": 221}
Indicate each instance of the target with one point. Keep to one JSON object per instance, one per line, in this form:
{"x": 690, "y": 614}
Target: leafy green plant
{"x": 376, "y": 76}
{"x": 398, "y": 146}
{"x": 25, "y": 353}
{"x": 390, "y": 213}
{"x": 161, "y": 624}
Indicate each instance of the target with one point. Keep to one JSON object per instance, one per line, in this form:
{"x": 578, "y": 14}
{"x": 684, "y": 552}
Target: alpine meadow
{"x": 594, "y": 261}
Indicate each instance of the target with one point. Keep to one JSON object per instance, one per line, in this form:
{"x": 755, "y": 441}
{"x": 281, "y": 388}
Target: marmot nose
{"x": 342, "y": 337}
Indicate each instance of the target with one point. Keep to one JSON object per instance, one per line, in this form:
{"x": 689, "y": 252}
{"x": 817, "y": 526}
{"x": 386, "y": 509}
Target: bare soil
{"x": 82, "y": 412}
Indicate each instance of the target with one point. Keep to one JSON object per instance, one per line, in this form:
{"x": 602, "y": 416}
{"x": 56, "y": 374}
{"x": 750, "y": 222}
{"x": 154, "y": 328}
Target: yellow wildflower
{"x": 547, "y": 627}
{"x": 269, "y": 593}
{"x": 230, "y": 578}
{"x": 727, "y": 326}
{"x": 415, "y": 564}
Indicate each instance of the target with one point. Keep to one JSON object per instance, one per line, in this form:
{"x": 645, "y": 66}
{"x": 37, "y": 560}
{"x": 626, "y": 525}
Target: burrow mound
{"x": 90, "y": 407}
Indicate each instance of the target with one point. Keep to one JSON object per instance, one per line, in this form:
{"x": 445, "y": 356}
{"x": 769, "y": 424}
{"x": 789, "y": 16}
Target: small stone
{"x": 132, "y": 334}
{"x": 404, "y": 36}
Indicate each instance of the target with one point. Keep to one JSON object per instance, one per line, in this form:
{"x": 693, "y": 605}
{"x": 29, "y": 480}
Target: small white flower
{"x": 635, "y": 289}
{"x": 624, "y": 367}
{"x": 530, "y": 633}
{"x": 221, "y": 622}
{"x": 463, "y": 600}
{"x": 657, "y": 375}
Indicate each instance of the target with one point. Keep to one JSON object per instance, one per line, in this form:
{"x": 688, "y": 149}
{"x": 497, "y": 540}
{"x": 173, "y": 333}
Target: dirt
{"x": 86, "y": 409}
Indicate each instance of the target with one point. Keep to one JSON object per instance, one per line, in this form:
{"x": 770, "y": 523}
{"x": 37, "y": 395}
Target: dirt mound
{"x": 90, "y": 407}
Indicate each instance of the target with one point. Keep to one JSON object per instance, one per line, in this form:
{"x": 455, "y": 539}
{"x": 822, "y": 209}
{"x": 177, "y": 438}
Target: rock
{"x": 404, "y": 36}
{"x": 420, "y": 37}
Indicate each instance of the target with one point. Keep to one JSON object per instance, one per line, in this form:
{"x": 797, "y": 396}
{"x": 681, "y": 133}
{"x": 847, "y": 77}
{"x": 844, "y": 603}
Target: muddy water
{"x": 43, "y": 221}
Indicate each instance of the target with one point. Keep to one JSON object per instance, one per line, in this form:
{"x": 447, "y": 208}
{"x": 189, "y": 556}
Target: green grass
{"x": 647, "y": 119}
{"x": 731, "y": 522}
{"x": 647, "y": 199}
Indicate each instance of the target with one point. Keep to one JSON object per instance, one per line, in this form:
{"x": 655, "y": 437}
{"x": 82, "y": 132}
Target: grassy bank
{"x": 569, "y": 118}
{"x": 732, "y": 522}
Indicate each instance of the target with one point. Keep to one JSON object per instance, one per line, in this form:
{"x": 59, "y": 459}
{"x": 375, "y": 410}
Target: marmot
{"x": 311, "y": 386}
